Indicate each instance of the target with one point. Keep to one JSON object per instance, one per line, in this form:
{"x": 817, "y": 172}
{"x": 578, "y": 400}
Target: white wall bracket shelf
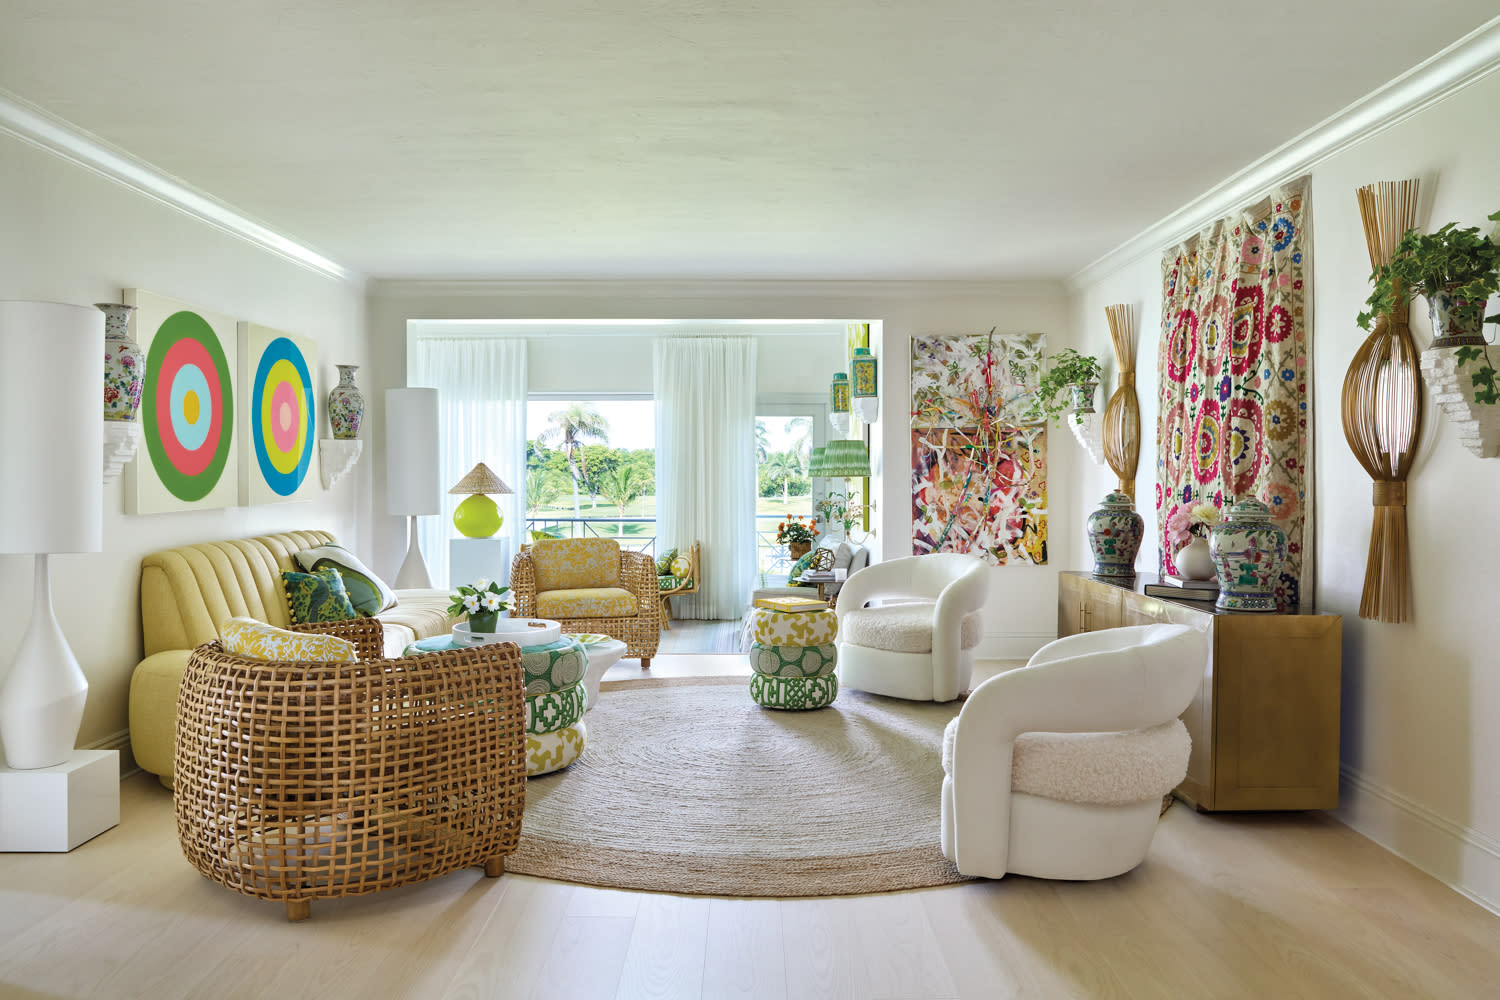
{"x": 1452, "y": 385}
{"x": 121, "y": 439}
{"x": 1088, "y": 428}
{"x": 336, "y": 457}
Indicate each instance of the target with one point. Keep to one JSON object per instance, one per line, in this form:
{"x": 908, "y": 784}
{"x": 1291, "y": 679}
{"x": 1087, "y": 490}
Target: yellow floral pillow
{"x": 576, "y": 563}
{"x": 253, "y": 640}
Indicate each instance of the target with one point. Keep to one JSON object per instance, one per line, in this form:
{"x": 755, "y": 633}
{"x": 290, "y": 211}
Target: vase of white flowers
{"x": 484, "y": 603}
{"x": 1188, "y": 529}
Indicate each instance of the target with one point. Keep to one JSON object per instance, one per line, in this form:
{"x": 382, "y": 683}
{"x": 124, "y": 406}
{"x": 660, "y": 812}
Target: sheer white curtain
{"x": 705, "y": 466}
{"x": 481, "y": 384}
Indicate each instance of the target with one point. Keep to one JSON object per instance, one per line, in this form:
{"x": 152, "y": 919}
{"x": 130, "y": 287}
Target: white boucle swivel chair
{"x": 921, "y": 649}
{"x": 1089, "y": 735}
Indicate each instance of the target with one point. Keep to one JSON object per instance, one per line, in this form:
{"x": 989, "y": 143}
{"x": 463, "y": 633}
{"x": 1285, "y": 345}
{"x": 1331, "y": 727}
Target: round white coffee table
{"x": 603, "y": 652}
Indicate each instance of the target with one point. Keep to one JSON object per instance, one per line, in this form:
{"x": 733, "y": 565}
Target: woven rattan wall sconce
{"x": 1122, "y": 415}
{"x": 1382, "y": 409}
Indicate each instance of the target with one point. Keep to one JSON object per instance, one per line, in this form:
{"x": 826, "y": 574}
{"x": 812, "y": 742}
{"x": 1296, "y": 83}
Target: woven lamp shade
{"x": 846, "y": 460}
{"x": 1381, "y": 406}
{"x": 481, "y": 480}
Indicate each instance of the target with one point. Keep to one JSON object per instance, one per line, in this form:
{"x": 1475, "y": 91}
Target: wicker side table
{"x": 304, "y": 781}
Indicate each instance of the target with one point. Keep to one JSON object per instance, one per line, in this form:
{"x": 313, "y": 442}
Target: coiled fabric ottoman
{"x": 793, "y": 657}
{"x": 548, "y": 752}
{"x": 555, "y": 702}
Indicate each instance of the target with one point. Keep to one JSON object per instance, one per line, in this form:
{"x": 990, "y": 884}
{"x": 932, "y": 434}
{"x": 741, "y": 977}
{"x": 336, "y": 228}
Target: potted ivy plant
{"x": 1456, "y": 270}
{"x": 1070, "y": 380}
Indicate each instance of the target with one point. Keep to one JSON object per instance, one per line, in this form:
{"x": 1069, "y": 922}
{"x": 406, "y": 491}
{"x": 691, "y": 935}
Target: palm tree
{"x": 572, "y": 427}
{"x": 621, "y": 488}
{"x": 783, "y": 465}
{"x": 800, "y": 428}
{"x": 762, "y": 441}
{"x": 542, "y": 490}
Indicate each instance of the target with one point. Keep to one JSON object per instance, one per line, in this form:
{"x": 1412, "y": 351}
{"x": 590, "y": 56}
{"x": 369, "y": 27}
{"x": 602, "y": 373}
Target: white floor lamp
{"x": 51, "y": 500}
{"x": 411, "y": 471}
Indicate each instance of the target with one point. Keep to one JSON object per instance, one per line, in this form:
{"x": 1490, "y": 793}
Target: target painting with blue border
{"x": 188, "y": 408}
{"x": 279, "y": 418}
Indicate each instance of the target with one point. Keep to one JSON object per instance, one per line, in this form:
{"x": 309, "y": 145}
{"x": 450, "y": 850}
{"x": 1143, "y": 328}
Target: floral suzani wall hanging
{"x": 1233, "y": 374}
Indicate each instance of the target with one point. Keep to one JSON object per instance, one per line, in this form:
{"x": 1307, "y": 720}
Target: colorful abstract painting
{"x": 979, "y": 474}
{"x": 278, "y": 419}
{"x": 187, "y": 409}
{"x": 1233, "y": 373}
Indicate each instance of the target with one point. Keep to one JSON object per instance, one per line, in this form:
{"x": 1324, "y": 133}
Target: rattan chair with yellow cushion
{"x": 591, "y": 585}
{"x": 304, "y": 780}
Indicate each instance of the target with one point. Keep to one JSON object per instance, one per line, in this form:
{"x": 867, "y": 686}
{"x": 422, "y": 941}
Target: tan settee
{"x": 188, "y": 592}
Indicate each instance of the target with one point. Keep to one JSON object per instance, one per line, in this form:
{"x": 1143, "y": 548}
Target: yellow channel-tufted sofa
{"x": 188, "y": 592}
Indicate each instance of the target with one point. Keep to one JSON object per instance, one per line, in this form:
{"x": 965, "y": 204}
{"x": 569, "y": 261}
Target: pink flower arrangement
{"x": 1189, "y": 522}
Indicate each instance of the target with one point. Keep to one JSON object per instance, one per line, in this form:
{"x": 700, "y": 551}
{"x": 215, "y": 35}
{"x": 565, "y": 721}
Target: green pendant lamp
{"x": 479, "y": 516}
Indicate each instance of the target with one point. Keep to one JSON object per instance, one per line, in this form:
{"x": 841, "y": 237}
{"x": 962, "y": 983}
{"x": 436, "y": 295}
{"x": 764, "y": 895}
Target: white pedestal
{"x": 470, "y": 559}
{"x": 57, "y": 808}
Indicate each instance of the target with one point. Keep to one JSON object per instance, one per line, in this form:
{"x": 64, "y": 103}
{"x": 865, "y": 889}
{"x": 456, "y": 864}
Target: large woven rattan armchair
{"x": 591, "y": 585}
{"x": 299, "y": 781}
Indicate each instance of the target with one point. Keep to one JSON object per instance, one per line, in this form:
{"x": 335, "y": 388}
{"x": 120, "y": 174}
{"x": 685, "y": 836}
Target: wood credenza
{"x": 1265, "y": 721}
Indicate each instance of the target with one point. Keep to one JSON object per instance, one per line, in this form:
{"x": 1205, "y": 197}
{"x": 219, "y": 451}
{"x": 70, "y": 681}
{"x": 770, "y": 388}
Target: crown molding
{"x": 1466, "y": 61}
{"x": 40, "y": 128}
{"x": 707, "y": 288}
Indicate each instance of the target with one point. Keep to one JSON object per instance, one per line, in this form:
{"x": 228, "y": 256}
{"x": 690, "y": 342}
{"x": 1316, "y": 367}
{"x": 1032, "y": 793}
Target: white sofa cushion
{"x": 903, "y": 628}
{"x": 1096, "y": 768}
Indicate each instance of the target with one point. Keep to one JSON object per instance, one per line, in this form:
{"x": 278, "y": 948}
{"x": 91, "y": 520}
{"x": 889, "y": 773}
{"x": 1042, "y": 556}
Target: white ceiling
{"x": 962, "y": 139}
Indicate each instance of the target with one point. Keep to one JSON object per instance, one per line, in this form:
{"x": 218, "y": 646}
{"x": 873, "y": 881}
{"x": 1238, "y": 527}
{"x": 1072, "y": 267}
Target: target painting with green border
{"x": 186, "y": 410}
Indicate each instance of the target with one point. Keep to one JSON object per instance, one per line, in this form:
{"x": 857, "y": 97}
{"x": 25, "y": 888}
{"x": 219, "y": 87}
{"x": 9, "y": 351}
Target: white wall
{"x": 68, "y": 235}
{"x": 1420, "y": 699}
{"x": 1023, "y": 603}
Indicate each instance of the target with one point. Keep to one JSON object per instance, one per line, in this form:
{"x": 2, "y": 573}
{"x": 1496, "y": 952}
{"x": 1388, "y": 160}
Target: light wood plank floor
{"x": 1288, "y": 905}
{"x": 701, "y": 637}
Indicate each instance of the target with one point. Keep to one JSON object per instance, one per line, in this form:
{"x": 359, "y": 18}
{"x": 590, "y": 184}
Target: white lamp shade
{"x": 51, "y": 427}
{"x": 411, "y": 451}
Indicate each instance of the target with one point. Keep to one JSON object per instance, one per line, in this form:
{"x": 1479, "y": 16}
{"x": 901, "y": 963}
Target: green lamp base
{"x": 477, "y": 517}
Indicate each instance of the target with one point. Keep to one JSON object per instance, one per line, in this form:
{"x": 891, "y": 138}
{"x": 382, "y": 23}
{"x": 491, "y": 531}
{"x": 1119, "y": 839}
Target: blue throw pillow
{"x": 799, "y": 567}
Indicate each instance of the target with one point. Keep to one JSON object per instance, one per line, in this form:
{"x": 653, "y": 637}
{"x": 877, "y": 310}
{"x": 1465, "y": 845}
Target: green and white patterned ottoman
{"x": 794, "y": 661}
{"x": 553, "y": 667}
{"x": 793, "y": 657}
{"x": 793, "y": 628}
{"x": 548, "y": 752}
{"x": 547, "y": 713}
{"x": 794, "y": 693}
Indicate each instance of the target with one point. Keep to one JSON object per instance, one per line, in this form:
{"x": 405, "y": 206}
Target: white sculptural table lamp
{"x": 51, "y": 500}
{"x": 411, "y": 471}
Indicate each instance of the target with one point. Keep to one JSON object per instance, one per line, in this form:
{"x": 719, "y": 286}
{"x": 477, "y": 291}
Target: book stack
{"x": 789, "y": 605}
{"x": 1183, "y": 589}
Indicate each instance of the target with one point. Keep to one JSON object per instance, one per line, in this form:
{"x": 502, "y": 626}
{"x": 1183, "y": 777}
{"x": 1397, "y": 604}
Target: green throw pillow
{"x": 318, "y": 596}
{"x": 799, "y": 567}
{"x": 369, "y": 594}
{"x": 667, "y": 583}
{"x": 664, "y": 564}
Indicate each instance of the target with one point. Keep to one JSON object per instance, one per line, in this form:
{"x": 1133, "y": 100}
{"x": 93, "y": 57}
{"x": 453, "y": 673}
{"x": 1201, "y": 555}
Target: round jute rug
{"x": 688, "y": 786}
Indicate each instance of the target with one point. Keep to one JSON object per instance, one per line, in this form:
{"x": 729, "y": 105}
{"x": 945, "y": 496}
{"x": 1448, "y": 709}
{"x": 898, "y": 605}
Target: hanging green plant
{"x": 1066, "y": 369}
{"x": 1459, "y": 262}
